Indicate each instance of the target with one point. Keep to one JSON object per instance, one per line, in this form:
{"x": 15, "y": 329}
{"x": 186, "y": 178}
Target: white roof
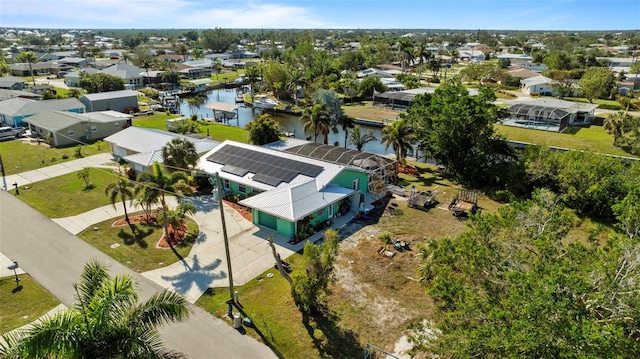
{"x": 286, "y": 144}
{"x": 538, "y": 80}
{"x": 329, "y": 171}
{"x": 143, "y": 140}
{"x": 568, "y": 106}
{"x": 294, "y": 202}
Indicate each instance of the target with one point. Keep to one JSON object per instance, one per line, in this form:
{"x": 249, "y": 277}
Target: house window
{"x": 320, "y": 213}
{"x": 71, "y": 133}
{"x": 355, "y": 184}
{"x": 94, "y": 129}
{"x": 242, "y": 188}
{"x": 225, "y": 183}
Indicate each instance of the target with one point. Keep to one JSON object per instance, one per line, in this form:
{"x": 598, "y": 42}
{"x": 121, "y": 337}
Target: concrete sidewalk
{"x": 25, "y": 178}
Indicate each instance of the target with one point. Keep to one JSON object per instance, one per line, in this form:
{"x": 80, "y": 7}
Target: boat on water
{"x": 264, "y": 103}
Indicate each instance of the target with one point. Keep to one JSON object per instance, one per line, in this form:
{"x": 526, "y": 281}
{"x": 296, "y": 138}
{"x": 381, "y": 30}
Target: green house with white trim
{"x": 288, "y": 193}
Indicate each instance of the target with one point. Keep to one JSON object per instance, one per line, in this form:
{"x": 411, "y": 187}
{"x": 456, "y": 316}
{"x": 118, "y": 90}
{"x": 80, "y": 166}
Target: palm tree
{"x": 252, "y": 74}
{"x": 360, "y": 139}
{"x": 146, "y": 197}
{"x": 317, "y": 119}
{"x": 183, "y": 50}
{"x": 106, "y": 321}
{"x": 194, "y": 104}
{"x": 423, "y": 55}
{"x": 162, "y": 183}
{"x": 176, "y": 217}
{"x": 400, "y": 137}
{"x": 346, "y": 122}
{"x": 123, "y": 189}
{"x": 30, "y": 58}
{"x": 296, "y": 78}
{"x": 217, "y": 67}
{"x": 180, "y": 153}
{"x": 406, "y": 54}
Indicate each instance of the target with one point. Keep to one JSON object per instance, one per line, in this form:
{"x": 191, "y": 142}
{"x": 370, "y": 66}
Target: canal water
{"x": 288, "y": 123}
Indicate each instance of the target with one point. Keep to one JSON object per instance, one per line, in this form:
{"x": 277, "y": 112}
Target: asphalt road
{"x": 55, "y": 258}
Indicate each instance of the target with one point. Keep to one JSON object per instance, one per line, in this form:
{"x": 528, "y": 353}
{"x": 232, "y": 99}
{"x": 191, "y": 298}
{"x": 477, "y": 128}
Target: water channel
{"x": 288, "y": 123}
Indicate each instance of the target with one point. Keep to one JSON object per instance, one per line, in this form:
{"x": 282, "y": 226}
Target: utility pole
{"x": 4, "y": 180}
{"x": 230, "y": 302}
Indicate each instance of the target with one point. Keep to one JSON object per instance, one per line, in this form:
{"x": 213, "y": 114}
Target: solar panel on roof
{"x": 234, "y": 170}
{"x": 270, "y": 168}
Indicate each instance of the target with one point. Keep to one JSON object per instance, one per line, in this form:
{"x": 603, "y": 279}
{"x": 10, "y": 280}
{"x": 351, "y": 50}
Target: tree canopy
{"x": 263, "y": 130}
{"x": 100, "y": 82}
{"x": 457, "y": 130}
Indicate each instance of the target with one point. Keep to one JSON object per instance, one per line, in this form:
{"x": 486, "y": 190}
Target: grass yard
{"x": 604, "y": 104}
{"x": 21, "y": 155}
{"x": 375, "y": 298}
{"x": 21, "y": 307}
{"x": 158, "y": 120}
{"x": 216, "y": 131}
{"x": 220, "y": 132}
{"x": 593, "y": 138}
{"x": 367, "y": 111}
{"x": 139, "y": 251}
{"x": 66, "y": 195}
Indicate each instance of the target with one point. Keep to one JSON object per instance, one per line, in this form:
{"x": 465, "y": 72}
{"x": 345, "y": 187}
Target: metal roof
{"x": 55, "y": 121}
{"x": 221, "y": 106}
{"x": 24, "y": 107}
{"x": 552, "y": 103}
{"x": 143, "y": 140}
{"x": 294, "y": 202}
{"x": 110, "y": 95}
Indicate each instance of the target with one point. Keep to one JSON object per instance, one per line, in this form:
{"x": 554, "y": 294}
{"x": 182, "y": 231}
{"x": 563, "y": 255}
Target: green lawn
{"x": 158, "y": 120}
{"x": 592, "y": 138}
{"x": 21, "y": 307}
{"x": 66, "y": 195}
{"x": 19, "y": 156}
{"x": 216, "y": 131}
{"x": 139, "y": 251}
{"x": 279, "y": 324}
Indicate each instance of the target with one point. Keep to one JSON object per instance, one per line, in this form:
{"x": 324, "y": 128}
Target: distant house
{"x": 192, "y": 72}
{"x": 521, "y": 72}
{"x": 540, "y": 85}
{"x": 111, "y": 100}
{"x": 39, "y": 68}
{"x": 205, "y": 64}
{"x": 171, "y": 58}
{"x": 549, "y": 114}
{"x": 516, "y": 59}
{"x": 624, "y": 87}
{"x": 72, "y": 79}
{"x": 376, "y": 72}
{"x": 471, "y": 55}
{"x": 141, "y": 147}
{"x": 7, "y": 94}
{"x": 73, "y": 61}
{"x": 12, "y": 83}
{"x": 129, "y": 73}
{"x": 67, "y": 128}
{"x": 13, "y": 111}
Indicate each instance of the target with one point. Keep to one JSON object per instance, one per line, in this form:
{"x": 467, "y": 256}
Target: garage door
{"x": 268, "y": 220}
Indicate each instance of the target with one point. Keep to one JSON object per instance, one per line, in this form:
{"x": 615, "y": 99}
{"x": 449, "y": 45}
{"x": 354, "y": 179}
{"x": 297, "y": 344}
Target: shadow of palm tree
{"x": 268, "y": 342}
{"x": 139, "y": 237}
{"x": 196, "y": 274}
{"x": 338, "y": 342}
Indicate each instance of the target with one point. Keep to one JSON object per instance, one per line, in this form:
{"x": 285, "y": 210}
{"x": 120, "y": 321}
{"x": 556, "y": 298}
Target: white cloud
{"x": 155, "y": 14}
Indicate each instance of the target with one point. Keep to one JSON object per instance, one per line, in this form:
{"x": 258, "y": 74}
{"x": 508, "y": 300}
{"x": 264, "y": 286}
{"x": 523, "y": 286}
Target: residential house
{"x": 205, "y": 64}
{"x": 73, "y": 61}
{"x": 12, "y": 83}
{"x": 121, "y": 101}
{"x": 516, "y": 59}
{"x": 7, "y": 94}
{"x": 290, "y": 193}
{"x": 132, "y": 75}
{"x": 13, "y": 111}
{"x": 471, "y": 55}
{"x": 624, "y": 88}
{"x": 521, "y": 72}
{"x": 172, "y": 58}
{"x": 68, "y": 128}
{"x": 549, "y": 114}
{"x": 39, "y": 68}
{"x": 540, "y": 85}
{"x": 192, "y": 72}
{"x": 141, "y": 147}
{"x": 618, "y": 64}
{"x": 72, "y": 79}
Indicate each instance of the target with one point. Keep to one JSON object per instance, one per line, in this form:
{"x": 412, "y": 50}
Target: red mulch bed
{"x": 244, "y": 211}
{"x": 176, "y": 235}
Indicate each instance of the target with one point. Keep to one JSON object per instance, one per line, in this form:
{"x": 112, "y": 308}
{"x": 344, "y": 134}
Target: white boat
{"x": 264, "y": 103}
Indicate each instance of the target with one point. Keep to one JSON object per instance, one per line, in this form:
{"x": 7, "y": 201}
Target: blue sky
{"x": 309, "y": 14}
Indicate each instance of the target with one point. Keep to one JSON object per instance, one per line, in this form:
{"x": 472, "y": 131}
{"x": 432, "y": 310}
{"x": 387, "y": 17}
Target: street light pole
{"x": 230, "y": 302}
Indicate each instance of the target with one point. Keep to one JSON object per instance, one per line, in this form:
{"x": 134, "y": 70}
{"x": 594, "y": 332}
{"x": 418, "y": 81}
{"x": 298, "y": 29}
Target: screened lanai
{"x": 539, "y": 117}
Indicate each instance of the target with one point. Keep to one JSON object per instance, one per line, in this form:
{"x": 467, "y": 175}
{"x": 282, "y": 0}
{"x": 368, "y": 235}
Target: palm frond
{"x": 92, "y": 278}
{"x": 162, "y": 308}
